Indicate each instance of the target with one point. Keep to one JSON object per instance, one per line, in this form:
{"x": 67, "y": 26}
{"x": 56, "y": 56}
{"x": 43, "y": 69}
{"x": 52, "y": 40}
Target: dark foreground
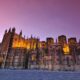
{"x": 37, "y": 75}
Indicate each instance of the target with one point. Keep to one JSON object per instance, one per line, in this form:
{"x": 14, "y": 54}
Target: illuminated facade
{"x": 31, "y": 53}
{"x": 66, "y": 49}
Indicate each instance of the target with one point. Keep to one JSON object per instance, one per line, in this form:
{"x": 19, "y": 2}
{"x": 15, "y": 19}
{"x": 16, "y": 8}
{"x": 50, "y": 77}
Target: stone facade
{"x": 31, "y": 53}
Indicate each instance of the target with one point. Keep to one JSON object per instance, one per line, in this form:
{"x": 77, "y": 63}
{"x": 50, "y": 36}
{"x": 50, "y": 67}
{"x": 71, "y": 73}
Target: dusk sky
{"x": 42, "y": 18}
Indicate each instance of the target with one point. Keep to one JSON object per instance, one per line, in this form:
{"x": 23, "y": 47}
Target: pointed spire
{"x": 20, "y": 33}
{"x": 13, "y": 29}
{"x": 56, "y": 41}
{"x": 38, "y": 38}
{"x": 9, "y": 30}
{"x": 31, "y": 36}
{"x": 6, "y": 31}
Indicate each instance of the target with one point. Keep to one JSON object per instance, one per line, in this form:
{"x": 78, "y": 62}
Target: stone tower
{"x": 7, "y": 40}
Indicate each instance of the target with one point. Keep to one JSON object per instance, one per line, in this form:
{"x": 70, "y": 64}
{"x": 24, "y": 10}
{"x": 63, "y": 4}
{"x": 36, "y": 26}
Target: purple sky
{"x": 42, "y": 18}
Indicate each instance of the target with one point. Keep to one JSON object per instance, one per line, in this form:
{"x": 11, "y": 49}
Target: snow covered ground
{"x": 37, "y": 75}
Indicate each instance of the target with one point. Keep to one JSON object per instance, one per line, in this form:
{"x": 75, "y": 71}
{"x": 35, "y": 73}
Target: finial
{"x": 13, "y": 29}
{"x": 31, "y": 36}
{"x": 21, "y": 33}
{"x": 56, "y": 41}
{"x": 6, "y": 31}
{"x": 9, "y": 29}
